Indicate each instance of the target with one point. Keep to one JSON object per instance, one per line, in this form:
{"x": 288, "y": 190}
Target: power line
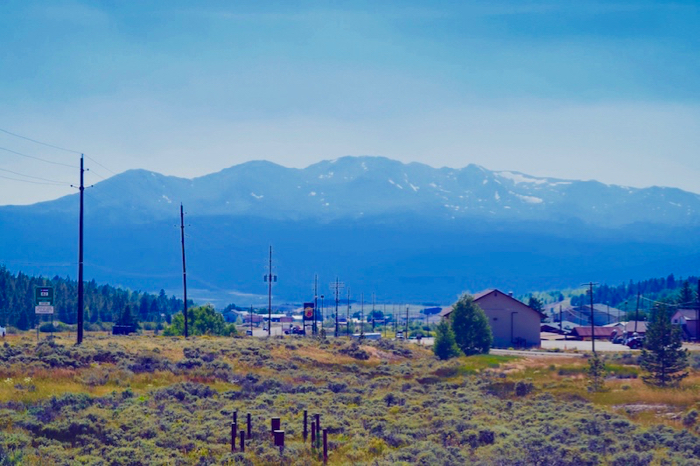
{"x": 33, "y": 182}
{"x": 98, "y": 163}
{"x": 39, "y": 142}
{"x": 33, "y": 177}
{"x": 37, "y": 158}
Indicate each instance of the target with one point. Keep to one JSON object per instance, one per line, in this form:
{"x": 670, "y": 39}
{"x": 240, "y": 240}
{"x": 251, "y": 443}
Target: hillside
{"x": 158, "y": 400}
{"x": 404, "y": 231}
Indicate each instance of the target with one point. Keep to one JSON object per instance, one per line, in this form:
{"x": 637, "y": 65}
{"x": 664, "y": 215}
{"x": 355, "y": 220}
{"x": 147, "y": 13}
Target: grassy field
{"x": 164, "y": 400}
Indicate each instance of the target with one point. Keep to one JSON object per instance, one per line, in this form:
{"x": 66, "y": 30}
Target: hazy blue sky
{"x": 603, "y": 90}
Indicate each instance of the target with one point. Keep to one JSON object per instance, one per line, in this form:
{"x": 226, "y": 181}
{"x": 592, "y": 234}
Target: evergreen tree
{"x": 470, "y": 326}
{"x": 126, "y": 318}
{"x": 686, "y": 296}
{"x": 662, "y": 356}
{"x": 444, "y": 345}
{"x": 536, "y": 304}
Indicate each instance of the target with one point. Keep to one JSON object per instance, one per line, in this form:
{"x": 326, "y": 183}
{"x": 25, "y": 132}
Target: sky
{"x": 576, "y": 90}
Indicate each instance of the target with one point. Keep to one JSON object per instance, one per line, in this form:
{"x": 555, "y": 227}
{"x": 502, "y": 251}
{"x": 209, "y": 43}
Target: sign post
{"x": 43, "y": 303}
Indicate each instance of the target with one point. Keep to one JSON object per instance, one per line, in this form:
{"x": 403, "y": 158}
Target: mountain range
{"x": 406, "y": 232}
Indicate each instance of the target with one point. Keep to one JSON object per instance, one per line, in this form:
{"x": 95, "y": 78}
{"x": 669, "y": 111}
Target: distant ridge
{"x": 408, "y": 232}
{"x": 357, "y": 187}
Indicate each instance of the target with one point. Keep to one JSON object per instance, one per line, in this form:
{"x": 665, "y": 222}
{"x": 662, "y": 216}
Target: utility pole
{"x": 697, "y": 315}
{"x": 373, "y": 300}
{"x": 347, "y": 316}
{"x": 81, "y": 305}
{"x": 336, "y": 288}
{"x": 269, "y": 278}
{"x": 184, "y": 269}
{"x": 636, "y": 314}
{"x": 406, "y": 334}
{"x": 561, "y": 325}
{"x": 251, "y": 320}
{"x": 314, "y": 327}
{"x": 362, "y": 315}
{"x": 590, "y": 290}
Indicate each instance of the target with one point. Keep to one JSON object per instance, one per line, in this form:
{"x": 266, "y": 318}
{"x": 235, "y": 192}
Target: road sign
{"x": 43, "y": 296}
{"x": 309, "y": 311}
{"x": 43, "y": 309}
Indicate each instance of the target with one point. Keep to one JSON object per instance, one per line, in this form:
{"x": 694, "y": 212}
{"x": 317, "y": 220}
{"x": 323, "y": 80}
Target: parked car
{"x": 635, "y": 342}
{"x": 249, "y": 333}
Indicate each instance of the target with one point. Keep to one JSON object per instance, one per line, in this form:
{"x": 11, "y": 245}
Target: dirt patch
{"x": 641, "y": 407}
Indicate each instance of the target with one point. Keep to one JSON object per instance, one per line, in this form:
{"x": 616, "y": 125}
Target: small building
{"x": 513, "y": 323}
{"x": 601, "y": 333}
{"x": 688, "y": 320}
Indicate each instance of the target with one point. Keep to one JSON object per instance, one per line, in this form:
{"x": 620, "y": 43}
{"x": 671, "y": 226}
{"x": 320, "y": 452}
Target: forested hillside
{"x": 103, "y": 303}
{"x": 671, "y": 290}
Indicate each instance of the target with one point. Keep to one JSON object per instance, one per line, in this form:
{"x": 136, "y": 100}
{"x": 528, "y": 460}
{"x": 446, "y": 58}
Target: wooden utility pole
{"x": 81, "y": 305}
{"x": 314, "y": 328}
{"x": 184, "y": 268}
{"x": 636, "y": 314}
{"x": 347, "y": 316}
{"x": 269, "y": 278}
{"x": 362, "y": 315}
{"x": 697, "y": 314}
{"x": 590, "y": 290}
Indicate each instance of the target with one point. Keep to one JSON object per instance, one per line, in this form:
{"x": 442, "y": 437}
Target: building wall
{"x": 499, "y": 309}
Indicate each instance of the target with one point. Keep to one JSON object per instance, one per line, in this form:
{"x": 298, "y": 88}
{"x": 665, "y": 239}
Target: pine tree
{"x": 444, "y": 345}
{"x": 536, "y": 304}
{"x": 686, "y": 296}
{"x": 662, "y": 356}
{"x": 470, "y": 326}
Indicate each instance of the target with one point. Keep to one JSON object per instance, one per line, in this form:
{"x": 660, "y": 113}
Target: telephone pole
{"x": 81, "y": 305}
{"x": 336, "y": 288}
{"x": 347, "y": 316}
{"x": 590, "y": 291}
{"x": 362, "y": 315}
{"x": 373, "y": 300}
{"x": 314, "y": 327}
{"x": 406, "y": 334}
{"x": 269, "y": 278}
{"x": 184, "y": 269}
{"x": 636, "y": 314}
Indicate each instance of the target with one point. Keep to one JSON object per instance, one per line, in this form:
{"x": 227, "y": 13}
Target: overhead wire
{"x": 33, "y": 177}
{"x": 38, "y": 158}
{"x": 52, "y": 146}
{"x": 33, "y": 182}
{"x": 39, "y": 142}
{"x": 98, "y": 163}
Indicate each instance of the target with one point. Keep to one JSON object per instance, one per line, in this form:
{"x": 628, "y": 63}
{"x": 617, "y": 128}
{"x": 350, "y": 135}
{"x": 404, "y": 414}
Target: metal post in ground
{"x": 306, "y": 432}
{"x": 325, "y": 446}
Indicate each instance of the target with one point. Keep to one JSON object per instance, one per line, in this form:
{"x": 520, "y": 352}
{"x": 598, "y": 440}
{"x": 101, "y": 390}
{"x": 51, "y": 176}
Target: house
{"x": 512, "y": 322}
{"x": 688, "y": 320}
{"x": 601, "y": 333}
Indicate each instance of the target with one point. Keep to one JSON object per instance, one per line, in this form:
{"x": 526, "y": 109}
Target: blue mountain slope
{"x": 405, "y": 231}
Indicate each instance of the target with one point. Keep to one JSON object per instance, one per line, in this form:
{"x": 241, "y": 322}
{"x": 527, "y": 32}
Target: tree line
{"x": 103, "y": 303}
{"x": 669, "y": 289}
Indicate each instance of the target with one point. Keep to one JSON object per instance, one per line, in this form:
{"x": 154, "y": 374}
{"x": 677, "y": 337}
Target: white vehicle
{"x": 368, "y": 336}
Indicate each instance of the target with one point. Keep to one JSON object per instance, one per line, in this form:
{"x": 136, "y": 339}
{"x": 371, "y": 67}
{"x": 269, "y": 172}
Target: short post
{"x": 234, "y": 432}
{"x": 250, "y": 427}
{"x": 313, "y": 434}
{"x": 242, "y": 441}
{"x": 325, "y": 446}
{"x": 318, "y": 429}
{"x": 275, "y": 424}
{"x": 306, "y": 432}
{"x": 279, "y": 439}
